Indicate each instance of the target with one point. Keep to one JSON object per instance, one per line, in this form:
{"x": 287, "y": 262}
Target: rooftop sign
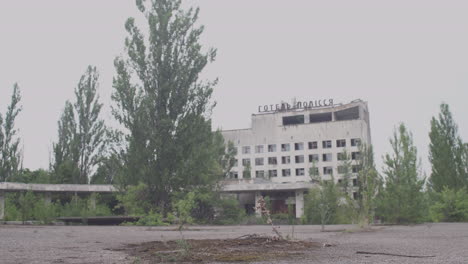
{"x": 298, "y": 105}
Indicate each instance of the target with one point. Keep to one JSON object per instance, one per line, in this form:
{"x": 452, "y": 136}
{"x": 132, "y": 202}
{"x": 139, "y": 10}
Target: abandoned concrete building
{"x": 285, "y": 141}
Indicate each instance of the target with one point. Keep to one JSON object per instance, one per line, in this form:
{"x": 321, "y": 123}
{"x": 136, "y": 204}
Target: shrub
{"x": 229, "y": 212}
{"x": 450, "y": 206}
{"x": 135, "y": 200}
{"x": 151, "y": 219}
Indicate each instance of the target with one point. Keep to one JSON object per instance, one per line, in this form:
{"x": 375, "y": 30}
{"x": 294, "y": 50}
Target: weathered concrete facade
{"x": 282, "y": 146}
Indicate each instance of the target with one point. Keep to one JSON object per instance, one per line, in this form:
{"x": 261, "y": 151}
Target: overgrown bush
{"x": 135, "y": 200}
{"x": 45, "y": 212}
{"x": 229, "y": 212}
{"x": 450, "y": 206}
{"x": 151, "y": 219}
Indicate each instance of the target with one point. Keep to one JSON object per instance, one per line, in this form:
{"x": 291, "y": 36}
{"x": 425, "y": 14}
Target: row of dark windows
{"x": 327, "y": 157}
{"x": 298, "y": 172}
{"x": 326, "y": 144}
{"x": 346, "y": 114}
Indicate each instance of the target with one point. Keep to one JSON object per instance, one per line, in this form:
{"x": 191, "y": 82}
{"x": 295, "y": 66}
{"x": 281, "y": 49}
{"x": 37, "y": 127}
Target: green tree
{"x": 28, "y": 176}
{"x": 446, "y": 153}
{"x": 368, "y": 183}
{"x": 402, "y": 199}
{"x": 10, "y": 154}
{"x": 163, "y": 105}
{"x": 323, "y": 201}
{"x": 82, "y": 134}
{"x": 345, "y": 168}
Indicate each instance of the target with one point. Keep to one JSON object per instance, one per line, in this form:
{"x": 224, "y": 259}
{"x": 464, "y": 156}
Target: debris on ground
{"x": 247, "y": 248}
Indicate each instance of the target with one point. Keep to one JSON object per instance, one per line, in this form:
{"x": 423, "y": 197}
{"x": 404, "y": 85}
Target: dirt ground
{"x": 435, "y": 243}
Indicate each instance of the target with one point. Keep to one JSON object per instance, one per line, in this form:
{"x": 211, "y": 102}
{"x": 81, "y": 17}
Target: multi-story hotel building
{"x": 275, "y": 155}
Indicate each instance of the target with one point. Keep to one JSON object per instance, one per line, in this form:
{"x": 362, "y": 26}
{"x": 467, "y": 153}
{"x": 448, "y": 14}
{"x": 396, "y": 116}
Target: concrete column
{"x": 258, "y": 212}
{"x": 2, "y": 205}
{"x": 299, "y": 203}
{"x": 47, "y": 198}
{"x": 92, "y": 200}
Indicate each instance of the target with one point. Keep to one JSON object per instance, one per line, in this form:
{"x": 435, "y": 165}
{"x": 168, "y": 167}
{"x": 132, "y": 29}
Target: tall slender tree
{"x": 446, "y": 153}
{"x": 402, "y": 199}
{"x": 82, "y": 133}
{"x": 10, "y": 153}
{"x": 368, "y": 183}
{"x": 163, "y": 104}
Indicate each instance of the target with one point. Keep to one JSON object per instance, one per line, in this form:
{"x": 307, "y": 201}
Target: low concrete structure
{"x": 48, "y": 189}
{"x": 246, "y": 188}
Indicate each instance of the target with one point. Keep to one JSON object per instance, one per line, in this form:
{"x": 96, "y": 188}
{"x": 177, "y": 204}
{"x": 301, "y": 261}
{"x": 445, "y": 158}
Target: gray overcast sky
{"x": 404, "y": 57}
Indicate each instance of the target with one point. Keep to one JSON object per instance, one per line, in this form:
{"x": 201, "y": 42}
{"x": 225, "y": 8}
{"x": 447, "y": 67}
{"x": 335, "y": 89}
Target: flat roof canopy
{"x": 252, "y": 187}
{"x": 80, "y": 188}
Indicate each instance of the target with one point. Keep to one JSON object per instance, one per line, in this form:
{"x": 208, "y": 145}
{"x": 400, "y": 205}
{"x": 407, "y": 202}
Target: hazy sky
{"x": 403, "y": 57}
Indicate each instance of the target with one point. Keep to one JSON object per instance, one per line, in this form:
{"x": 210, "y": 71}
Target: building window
{"x": 286, "y": 172}
{"x": 272, "y": 148}
{"x": 299, "y": 159}
{"x": 313, "y": 158}
{"x": 259, "y": 149}
{"x": 300, "y": 172}
{"x": 355, "y": 142}
{"x": 327, "y": 170}
{"x": 272, "y": 173}
{"x": 326, "y": 144}
{"x": 298, "y": 146}
{"x": 356, "y": 168}
{"x": 285, "y": 160}
{"x": 235, "y": 163}
{"x": 293, "y": 120}
{"x": 341, "y": 156}
{"x": 342, "y": 170}
{"x": 285, "y": 147}
{"x": 355, "y": 155}
{"x": 260, "y": 174}
{"x": 313, "y": 145}
{"x": 327, "y": 157}
{"x": 233, "y": 175}
{"x": 245, "y": 162}
{"x": 355, "y": 183}
{"x": 355, "y": 196}
{"x": 258, "y": 161}
{"x": 246, "y": 150}
{"x": 272, "y": 161}
{"x": 341, "y": 143}
{"x": 314, "y": 171}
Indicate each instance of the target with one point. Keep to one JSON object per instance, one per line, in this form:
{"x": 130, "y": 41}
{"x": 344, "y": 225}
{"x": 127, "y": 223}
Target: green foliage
{"x": 10, "y": 154}
{"x": 151, "y": 219}
{"x": 45, "y": 212}
{"x": 28, "y": 176}
{"x": 229, "y": 212}
{"x": 81, "y": 143}
{"x": 164, "y": 106}
{"x": 369, "y": 184}
{"x": 205, "y": 201}
{"x": 450, "y": 206}
{"x": 329, "y": 203}
{"x": 26, "y": 202}
{"x": 447, "y": 153}
{"x": 321, "y": 204}
{"x": 135, "y": 200}
{"x": 12, "y": 213}
{"x": 184, "y": 208}
{"x": 402, "y": 199}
